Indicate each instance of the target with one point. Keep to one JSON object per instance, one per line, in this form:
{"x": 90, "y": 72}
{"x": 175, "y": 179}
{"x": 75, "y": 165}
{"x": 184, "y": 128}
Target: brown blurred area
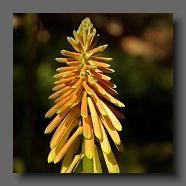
{"x": 155, "y": 43}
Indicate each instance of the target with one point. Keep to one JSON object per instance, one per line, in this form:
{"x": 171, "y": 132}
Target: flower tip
{"x": 47, "y": 116}
{"x": 56, "y": 160}
{"x": 51, "y": 155}
{"x": 57, "y": 59}
{"x": 80, "y": 130}
{"x": 104, "y": 46}
{"x": 99, "y": 136}
{"x": 62, "y": 51}
{"x": 52, "y": 145}
{"x": 119, "y": 128}
{"x": 50, "y": 160}
{"x": 104, "y": 113}
{"x": 49, "y": 97}
{"x": 114, "y": 86}
{"x": 55, "y": 76}
{"x": 69, "y": 39}
{"x": 46, "y": 131}
{"x": 61, "y": 60}
{"x": 119, "y": 104}
{"x": 87, "y": 19}
{"x": 106, "y": 149}
{"x": 58, "y": 69}
{"x": 122, "y": 105}
{"x": 82, "y": 155}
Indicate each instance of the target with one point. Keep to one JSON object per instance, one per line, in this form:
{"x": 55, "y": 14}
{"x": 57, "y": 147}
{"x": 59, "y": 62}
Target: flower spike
{"x": 85, "y": 107}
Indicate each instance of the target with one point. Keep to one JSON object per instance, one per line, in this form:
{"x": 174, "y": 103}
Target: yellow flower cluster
{"x": 84, "y": 107}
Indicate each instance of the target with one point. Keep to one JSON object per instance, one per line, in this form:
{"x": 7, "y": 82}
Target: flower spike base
{"x": 84, "y": 109}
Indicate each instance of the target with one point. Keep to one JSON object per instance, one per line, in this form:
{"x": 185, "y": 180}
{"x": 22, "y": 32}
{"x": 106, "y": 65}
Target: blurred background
{"x": 142, "y": 48}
